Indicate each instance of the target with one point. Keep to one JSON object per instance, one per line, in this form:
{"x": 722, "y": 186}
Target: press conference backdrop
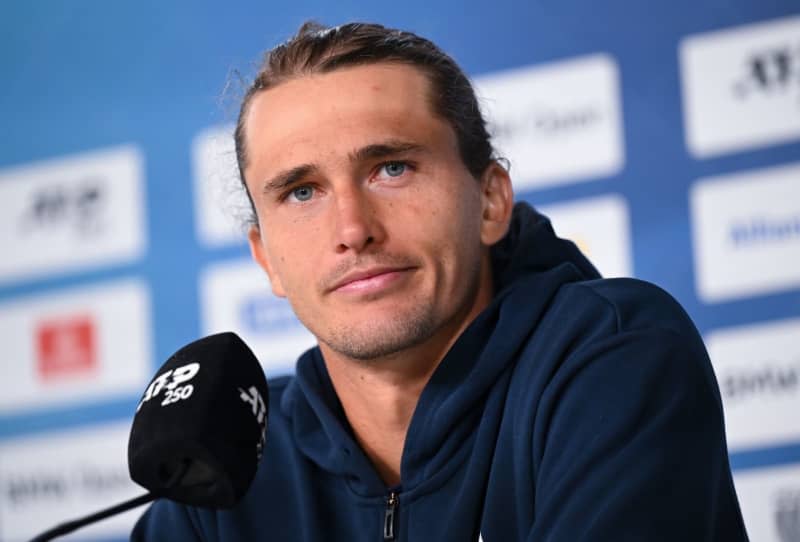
{"x": 663, "y": 137}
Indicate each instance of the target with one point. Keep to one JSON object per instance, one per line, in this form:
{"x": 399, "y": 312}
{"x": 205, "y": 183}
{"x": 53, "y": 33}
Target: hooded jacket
{"x": 572, "y": 408}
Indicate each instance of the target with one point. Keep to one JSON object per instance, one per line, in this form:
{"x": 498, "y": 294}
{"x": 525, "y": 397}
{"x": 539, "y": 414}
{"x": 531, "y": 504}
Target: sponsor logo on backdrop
{"x": 53, "y": 477}
{"x": 29, "y": 488}
{"x": 74, "y": 346}
{"x": 746, "y": 233}
{"x": 787, "y": 514}
{"x": 73, "y": 213}
{"x": 221, "y": 205}
{"x": 759, "y": 229}
{"x": 543, "y": 116}
{"x": 758, "y": 370}
{"x": 771, "y": 71}
{"x": 543, "y": 123}
{"x": 768, "y": 380}
{"x": 265, "y": 313}
{"x": 770, "y": 502}
{"x": 79, "y": 207}
{"x": 236, "y": 296}
{"x": 741, "y": 87}
{"x": 600, "y": 227}
{"x": 66, "y": 347}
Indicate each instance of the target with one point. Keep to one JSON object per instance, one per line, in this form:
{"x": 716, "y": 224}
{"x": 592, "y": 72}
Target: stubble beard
{"x": 370, "y": 341}
{"x": 374, "y": 340}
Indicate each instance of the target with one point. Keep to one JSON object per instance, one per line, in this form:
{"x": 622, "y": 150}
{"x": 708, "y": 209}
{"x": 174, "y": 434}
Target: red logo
{"x": 66, "y": 347}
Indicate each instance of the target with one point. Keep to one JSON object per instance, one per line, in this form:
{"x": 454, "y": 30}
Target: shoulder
{"x": 620, "y": 395}
{"x": 615, "y": 351}
{"x": 620, "y": 334}
{"x": 629, "y": 336}
{"x": 629, "y": 304}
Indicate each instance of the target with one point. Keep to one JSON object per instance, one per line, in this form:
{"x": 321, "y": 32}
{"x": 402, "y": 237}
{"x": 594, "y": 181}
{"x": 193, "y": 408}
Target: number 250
{"x": 173, "y": 396}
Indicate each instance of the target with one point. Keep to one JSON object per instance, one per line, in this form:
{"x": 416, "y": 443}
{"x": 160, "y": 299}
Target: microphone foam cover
{"x": 199, "y": 430}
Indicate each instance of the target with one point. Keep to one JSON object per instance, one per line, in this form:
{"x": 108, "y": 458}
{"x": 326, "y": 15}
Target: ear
{"x": 259, "y": 253}
{"x": 497, "y": 202}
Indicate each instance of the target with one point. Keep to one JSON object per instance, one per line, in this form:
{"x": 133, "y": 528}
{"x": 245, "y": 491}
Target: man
{"x": 475, "y": 378}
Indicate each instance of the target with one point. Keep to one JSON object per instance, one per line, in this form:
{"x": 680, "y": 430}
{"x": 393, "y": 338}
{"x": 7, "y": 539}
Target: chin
{"x": 373, "y": 339}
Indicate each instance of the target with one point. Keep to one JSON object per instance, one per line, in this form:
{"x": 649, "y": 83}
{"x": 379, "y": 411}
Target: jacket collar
{"x": 529, "y": 265}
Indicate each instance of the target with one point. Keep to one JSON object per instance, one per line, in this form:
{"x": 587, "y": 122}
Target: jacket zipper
{"x": 389, "y": 516}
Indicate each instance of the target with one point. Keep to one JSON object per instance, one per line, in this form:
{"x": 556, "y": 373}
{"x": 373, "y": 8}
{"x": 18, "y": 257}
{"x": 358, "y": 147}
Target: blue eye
{"x": 394, "y": 169}
{"x": 302, "y": 193}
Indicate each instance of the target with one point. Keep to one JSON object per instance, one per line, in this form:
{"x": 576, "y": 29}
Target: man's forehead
{"x": 341, "y": 111}
{"x": 382, "y": 87}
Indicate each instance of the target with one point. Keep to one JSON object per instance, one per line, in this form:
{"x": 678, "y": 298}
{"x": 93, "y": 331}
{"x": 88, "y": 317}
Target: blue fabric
{"x": 573, "y": 408}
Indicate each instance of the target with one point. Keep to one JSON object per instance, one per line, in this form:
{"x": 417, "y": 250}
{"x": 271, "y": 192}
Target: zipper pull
{"x": 389, "y": 515}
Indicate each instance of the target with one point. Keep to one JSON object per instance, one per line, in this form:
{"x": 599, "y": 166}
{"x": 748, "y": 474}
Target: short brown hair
{"x": 320, "y": 49}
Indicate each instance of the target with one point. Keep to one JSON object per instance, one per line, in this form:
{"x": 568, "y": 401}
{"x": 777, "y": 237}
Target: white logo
{"x": 236, "y": 296}
{"x": 75, "y": 346}
{"x": 221, "y": 204}
{"x": 600, "y": 228}
{"x": 541, "y": 117}
{"x": 252, "y": 397}
{"x": 171, "y": 380}
{"x": 746, "y": 233}
{"x": 741, "y": 87}
{"x": 758, "y": 370}
{"x": 71, "y": 214}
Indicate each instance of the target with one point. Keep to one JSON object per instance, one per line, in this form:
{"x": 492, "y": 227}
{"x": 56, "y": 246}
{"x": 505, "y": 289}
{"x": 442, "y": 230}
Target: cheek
{"x": 451, "y": 237}
{"x": 290, "y": 256}
{"x": 465, "y": 236}
{"x": 441, "y": 202}
{"x": 460, "y": 223}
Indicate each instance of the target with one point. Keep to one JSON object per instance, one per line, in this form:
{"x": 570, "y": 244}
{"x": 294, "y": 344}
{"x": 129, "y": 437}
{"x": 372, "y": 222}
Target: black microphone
{"x": 199, "y": 430}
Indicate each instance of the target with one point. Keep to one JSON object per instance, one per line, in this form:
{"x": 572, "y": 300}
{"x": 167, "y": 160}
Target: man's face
{"x": 369, "y": 222}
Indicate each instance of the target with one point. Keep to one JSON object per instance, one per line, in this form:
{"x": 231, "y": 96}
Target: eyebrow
{"x": 289, "y": 177}
{"x": 285, "y": 179}
{"x": 382, "y": 150}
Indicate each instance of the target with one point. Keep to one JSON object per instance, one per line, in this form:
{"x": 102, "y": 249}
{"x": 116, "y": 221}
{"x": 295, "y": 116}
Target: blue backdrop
{"x": 82, "y": 76}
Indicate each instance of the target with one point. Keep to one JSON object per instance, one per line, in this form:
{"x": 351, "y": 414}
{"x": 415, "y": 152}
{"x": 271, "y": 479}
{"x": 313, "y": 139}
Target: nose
{"x": 356, "y": 222}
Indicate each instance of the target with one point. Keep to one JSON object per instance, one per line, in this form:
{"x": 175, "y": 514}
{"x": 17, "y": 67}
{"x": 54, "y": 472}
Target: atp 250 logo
{"x": 175, "y": 384}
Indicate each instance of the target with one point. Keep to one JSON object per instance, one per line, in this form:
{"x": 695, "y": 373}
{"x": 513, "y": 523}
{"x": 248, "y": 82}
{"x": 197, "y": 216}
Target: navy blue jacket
{"x": 573, "y": 408}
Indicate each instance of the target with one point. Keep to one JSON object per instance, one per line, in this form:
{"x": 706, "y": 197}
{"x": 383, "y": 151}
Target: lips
{"x": 371, "y": 279}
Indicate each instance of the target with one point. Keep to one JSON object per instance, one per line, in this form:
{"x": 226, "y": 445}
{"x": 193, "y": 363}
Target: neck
{"x": 379, "y": 400}
{"x": 379, "y": 396}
